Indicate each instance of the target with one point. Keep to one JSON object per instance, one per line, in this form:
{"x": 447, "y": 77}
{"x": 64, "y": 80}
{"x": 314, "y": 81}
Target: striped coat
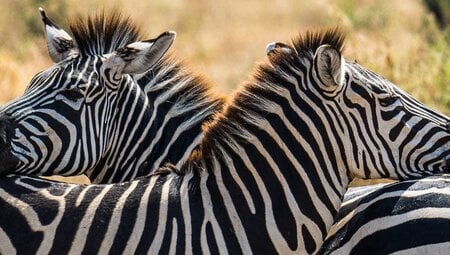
{"x": 75, "y": 119}
{"x": 268, "y": 176}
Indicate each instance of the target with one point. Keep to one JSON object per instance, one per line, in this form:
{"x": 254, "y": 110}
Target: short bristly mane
{"x": 311, "y": 40}
{"x": 103, "y": 33}
{"x": 254, "y": 97}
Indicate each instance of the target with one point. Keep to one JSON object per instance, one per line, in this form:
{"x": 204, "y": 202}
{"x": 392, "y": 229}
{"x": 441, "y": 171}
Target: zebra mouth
{"x": 8, "y": 162}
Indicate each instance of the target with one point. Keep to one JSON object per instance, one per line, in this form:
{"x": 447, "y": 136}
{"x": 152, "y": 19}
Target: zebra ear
{"x": 328, "y": 65}
{"x": 139, "y": 57}
{"x": 278, "y": 46}
{"x": 59, "y": 43}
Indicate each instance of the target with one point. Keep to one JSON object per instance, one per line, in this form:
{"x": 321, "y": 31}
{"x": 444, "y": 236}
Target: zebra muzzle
{"x": 8, "y": 161}
{"x": 6, "y": 129}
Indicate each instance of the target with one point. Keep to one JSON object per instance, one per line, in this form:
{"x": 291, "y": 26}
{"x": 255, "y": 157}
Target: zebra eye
{"x": 388, "y": 100}
{"x": 72, "y": 94}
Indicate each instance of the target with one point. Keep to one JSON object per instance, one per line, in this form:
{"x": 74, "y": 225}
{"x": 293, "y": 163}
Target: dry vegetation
{"x": 223, "y": 39}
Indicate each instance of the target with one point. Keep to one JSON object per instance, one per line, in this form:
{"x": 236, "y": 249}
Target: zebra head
{"x": 50, "y": 126}
{"x": 380, "y": 130}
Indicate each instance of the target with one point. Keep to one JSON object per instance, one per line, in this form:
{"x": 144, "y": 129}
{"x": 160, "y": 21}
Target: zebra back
{"x": 413, "y": 214}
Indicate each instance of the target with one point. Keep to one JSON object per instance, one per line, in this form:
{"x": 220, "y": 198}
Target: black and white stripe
{"x": 411, "y": 217}
{"x": 268, "y": 176}
{"x": 105, "y": 108}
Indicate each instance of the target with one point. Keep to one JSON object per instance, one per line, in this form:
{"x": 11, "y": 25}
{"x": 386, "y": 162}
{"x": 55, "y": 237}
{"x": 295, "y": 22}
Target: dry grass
{"x": 224, "y": 39}
{"x": 360, "y": 182}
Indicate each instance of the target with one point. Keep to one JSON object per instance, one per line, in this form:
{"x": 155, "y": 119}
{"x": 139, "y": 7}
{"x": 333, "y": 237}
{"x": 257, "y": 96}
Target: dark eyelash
{"x": 388, "y": 100}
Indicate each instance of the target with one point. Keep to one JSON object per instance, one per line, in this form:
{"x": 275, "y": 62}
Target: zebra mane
{"x": 311, "y": 40}
{"x": 103, "y": 33}
{"x": 253, "y": 100}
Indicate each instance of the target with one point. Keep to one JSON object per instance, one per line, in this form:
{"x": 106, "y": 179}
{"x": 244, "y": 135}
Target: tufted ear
{"x": 278, "y": 46}
{"x": 329, "y": 67}
{"x": 138, "y": 57}
{"x": 59, "y": 43}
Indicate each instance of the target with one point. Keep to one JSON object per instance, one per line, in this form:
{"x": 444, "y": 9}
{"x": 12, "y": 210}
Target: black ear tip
{"x": 42, "y": 13}
{"x": 279, "y": 46}
{"x": 270, "y": 47}
{"x": 45, "y": 19}
{"x": 166, "y": 35}
{"x": 171, "y": 34}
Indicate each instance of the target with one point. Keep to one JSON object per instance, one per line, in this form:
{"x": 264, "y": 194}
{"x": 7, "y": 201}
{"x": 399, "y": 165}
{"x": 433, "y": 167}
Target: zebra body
{"x": 411, "y": 216}
{"x": 82, "y": 223}
{"x": 73, "y": 119}
{"x": 268, "y": 176}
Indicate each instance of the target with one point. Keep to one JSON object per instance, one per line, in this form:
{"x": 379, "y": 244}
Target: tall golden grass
{"x": 223, "y": 39}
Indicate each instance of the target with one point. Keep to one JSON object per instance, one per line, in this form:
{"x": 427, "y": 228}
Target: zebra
{"x": 268, "y": 175}
{"x": 109, "y": 108}
{"x": 412, "y": 216}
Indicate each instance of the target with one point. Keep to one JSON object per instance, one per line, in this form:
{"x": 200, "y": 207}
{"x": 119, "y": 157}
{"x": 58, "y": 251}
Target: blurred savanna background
{"x": 405, "y": 41}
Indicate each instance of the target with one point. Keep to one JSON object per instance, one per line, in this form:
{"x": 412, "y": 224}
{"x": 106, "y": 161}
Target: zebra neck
{"x": 182, "y": 102}
{"x": 267, "y": 160}
{"x": 166, "y": 130}
{"x": 266, "y": 173}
